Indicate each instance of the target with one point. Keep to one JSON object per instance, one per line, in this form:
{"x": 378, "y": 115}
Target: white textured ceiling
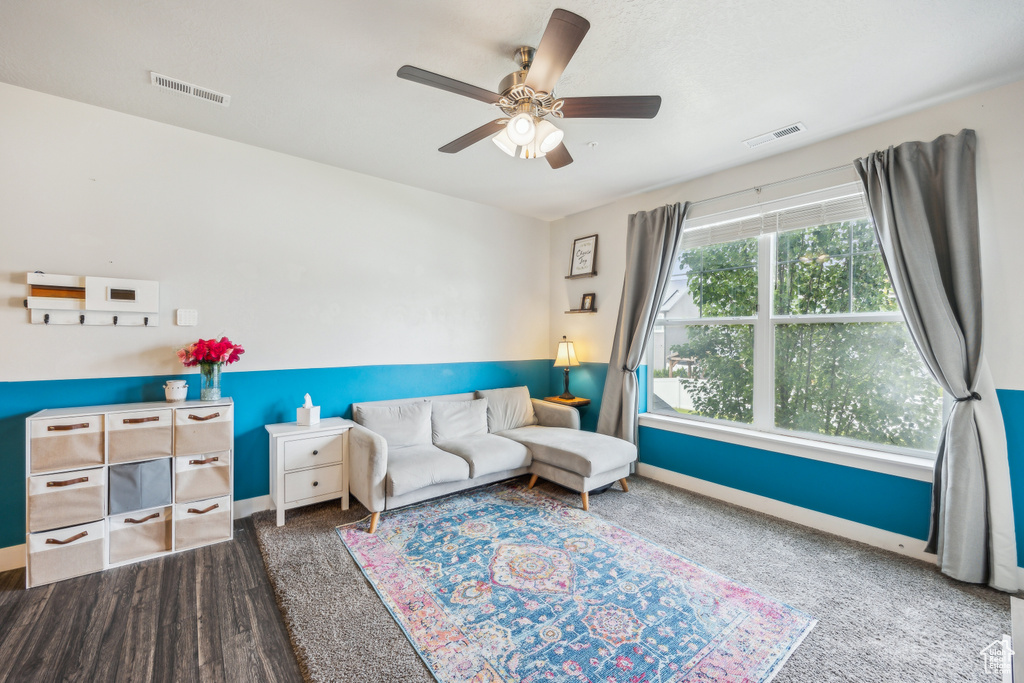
{"x": 316, "y": 78}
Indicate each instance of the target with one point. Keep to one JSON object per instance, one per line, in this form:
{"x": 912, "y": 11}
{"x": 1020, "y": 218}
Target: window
{"x": 785, "y": 321}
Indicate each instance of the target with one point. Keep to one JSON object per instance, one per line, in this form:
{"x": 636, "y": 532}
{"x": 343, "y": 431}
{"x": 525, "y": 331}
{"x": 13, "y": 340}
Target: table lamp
{"x": 565, "y": 358}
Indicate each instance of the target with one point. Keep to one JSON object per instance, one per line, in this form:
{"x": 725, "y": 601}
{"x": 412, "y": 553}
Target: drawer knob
{"x": 316, "y": 452}
{"x": 316, "y": 483}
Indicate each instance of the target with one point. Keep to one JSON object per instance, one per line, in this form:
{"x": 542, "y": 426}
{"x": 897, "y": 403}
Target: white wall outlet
{"x": 188, "y": 317}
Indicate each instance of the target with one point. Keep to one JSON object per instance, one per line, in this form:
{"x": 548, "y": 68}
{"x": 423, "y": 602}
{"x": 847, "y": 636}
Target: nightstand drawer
{"x": 315, "y": 482}
{"x": 313, "y": 452}
{"x": 62, "y": 443}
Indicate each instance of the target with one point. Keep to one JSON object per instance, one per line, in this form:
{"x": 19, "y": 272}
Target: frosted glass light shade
{"x": 504, "y": 143}
{"x": 566, "y": 355}
{"x": 548, "y": 136}
{"x": 521, "y": 128}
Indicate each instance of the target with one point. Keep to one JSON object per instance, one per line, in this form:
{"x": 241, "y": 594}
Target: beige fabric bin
{"x": 202, "y": 522}
{"x": 64, "y": 553}
{"x": 66, "y": 498}
{"x": 202, "y": 430}
{"x": 139, "y": 435}
{"x": 64, "y": 443}
{"x": 197, "y": 477}
{"x": 140, "y": 534}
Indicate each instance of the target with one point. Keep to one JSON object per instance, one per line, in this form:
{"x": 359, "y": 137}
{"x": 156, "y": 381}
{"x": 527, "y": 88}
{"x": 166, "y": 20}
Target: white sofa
{"x": 408, "y": 450}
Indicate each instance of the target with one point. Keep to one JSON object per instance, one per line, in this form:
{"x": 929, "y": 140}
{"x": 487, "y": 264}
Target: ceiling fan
{"x": 527, "y": 97}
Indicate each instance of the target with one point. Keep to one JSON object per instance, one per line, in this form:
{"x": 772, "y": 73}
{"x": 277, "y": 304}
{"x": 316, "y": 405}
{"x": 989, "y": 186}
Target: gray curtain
{"x": 651, "y": 241}
{"x": 924, "y": 201}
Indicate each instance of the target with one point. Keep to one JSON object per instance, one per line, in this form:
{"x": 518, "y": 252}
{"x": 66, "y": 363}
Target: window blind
{"x": 834, "y": 205}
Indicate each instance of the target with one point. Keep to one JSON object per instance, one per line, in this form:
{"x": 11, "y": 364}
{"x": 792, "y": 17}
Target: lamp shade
{"x": 566, "y": 355}
{"x": 521, "y": 128}
{"x": 548, "y": 137}
{"x": 504, "y": 143}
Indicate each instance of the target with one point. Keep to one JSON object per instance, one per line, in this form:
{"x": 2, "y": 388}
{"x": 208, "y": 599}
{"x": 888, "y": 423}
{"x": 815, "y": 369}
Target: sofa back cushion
{"x": 405, "y": 424}
{"x": 456, "y": 419}
{"x": 508, "y": 408}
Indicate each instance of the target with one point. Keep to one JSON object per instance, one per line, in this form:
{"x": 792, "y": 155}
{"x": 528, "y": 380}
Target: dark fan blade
{"x": 484, "y": 131}
{"x": 559, "y": 156}
{"x": 563, "y": 35}
{"x": 639, "y": 107}
{"x": 411, "y": 73}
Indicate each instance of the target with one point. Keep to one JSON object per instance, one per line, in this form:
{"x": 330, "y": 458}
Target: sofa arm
{"x": 554, "y": 415}
{"x": 368, "y": 466}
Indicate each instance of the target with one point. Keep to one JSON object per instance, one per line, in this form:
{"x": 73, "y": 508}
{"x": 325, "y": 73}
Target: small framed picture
{"x": 587, "y": 304}
{"x": 584, "y": 257}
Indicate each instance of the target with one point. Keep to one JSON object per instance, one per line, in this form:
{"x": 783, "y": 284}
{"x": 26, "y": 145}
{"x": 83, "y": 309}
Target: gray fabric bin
{"x": 140, "y": 485}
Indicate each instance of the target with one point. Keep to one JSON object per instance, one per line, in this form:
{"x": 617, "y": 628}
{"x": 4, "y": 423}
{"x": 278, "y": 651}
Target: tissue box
{"x": 308, "y": 416}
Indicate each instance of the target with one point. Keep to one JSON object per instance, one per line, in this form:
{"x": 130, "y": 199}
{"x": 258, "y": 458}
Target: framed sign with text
{"x": 584, "y": 257}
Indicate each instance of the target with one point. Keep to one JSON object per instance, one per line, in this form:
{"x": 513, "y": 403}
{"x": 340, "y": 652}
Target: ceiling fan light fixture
{"x": 521, "y": 128}
{"x": 504, "y": 143}
{"x": 548, "y": 136}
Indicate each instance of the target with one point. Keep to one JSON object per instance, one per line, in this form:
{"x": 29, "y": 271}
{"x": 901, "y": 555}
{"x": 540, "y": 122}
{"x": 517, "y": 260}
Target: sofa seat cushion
{"x": 488, "y": 453}
{"x": 414, "y": 467}
{"x": 584, "y": 453}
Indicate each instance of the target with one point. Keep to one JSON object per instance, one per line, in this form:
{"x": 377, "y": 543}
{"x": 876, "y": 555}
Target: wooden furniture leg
{"x": 373, "y": 522}
{"x": 586, "y": 501}
{"x": 533, "y": 480}
{"x": 625, "y": 486}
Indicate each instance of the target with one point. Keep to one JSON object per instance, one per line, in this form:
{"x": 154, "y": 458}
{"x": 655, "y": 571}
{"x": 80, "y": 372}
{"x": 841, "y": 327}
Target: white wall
{"x": 995, "y": 115}
{"x": 304, "y": 264}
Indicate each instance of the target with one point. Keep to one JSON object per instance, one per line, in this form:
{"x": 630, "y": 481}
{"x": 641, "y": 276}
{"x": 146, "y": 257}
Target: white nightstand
{"x": 308, "y": 464}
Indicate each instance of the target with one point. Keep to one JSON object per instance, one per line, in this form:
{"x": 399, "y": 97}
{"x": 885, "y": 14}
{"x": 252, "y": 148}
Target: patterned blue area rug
{"x": 506, "y": 584}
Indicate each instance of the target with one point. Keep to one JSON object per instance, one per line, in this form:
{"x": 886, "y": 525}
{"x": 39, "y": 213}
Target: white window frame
{"x": 762, "y": 432}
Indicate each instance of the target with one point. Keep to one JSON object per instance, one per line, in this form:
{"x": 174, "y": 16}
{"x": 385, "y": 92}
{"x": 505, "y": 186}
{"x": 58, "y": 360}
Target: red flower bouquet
{"x": 210, "y": 351}
{"x": 210, "y": 355}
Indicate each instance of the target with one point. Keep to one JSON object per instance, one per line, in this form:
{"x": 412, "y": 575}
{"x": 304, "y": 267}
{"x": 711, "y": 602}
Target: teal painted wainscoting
{"x": 1012, "y": 404}
{"x": 586, "y": 381}
{"x": 261, "y": 398}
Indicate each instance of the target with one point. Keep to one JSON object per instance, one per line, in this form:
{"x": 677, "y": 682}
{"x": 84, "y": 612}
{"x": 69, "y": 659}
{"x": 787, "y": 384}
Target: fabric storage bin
{"x": 202, "y": 476}
{"x": 63, "y": 443}
{"x": 140, "y": 485}
{"x": 63, "y": 553}
{"x": 140, "y": 534}
{"x": 202, "y": 430}
{"x": 202, "y": 522}
{"x": 66, "y": 498}
{"x": 139, "y": 435}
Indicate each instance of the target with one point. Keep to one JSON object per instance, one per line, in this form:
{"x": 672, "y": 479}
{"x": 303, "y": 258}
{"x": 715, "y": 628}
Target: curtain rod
{"x": 758, "y": 188}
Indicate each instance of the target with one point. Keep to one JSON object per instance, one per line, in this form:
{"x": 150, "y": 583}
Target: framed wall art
{"x": 583, "y": 261}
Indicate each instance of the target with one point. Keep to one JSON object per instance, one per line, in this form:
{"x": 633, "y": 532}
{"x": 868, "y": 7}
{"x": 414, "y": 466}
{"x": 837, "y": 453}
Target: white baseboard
{"x": 879, "y": 538}
{"x": 13, "y": 557}
{"x": 247, "y": 506}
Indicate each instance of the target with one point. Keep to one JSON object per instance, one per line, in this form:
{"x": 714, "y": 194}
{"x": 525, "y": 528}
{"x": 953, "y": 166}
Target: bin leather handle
{"x": 206, "y": 461}
{"x": 66, "y": 428}
{"x": 194, "y": 511}
{"x": 129, "y": 520}
{"x": 67, "y": 482}
{"x": 140, "y": 420}
{"x": 56, "y": 541}
{"x": 203, "y": 419}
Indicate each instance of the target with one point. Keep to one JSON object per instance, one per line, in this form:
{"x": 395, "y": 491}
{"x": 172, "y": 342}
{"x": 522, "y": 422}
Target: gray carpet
{"x": 881, "y": 617}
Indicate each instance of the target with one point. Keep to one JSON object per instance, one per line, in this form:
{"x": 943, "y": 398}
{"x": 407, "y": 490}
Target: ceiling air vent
{"x": 775, "y": 135}
{"x": 189, "y": 89}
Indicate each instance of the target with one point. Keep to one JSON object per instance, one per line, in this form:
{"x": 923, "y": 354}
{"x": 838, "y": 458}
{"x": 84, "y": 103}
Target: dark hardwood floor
{"x": 201, "y": 615}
